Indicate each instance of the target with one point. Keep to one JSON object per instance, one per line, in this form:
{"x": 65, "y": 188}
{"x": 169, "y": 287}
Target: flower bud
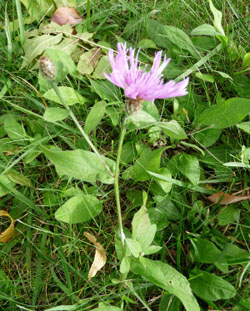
{"x": 47, "y": 68}
{"x": 132, "y": 106}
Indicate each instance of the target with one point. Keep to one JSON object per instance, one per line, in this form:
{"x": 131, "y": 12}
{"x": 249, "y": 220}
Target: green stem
{"x": 73, "y": 117}
{"x": 117, "y": 172}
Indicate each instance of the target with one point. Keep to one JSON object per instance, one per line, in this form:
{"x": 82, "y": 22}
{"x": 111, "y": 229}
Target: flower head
{"x": 137, "y": 82}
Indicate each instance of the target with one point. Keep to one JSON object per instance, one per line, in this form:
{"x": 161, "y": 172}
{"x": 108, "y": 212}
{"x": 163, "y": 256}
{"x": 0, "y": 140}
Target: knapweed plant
{"x": 122, "y": 187}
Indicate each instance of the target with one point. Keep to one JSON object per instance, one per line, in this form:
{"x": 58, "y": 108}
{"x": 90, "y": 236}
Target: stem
{"x": 73, "y": 117}
{"x": 117, "y": 171}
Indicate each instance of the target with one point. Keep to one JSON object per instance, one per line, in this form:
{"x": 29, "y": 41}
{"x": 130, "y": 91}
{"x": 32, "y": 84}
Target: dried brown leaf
{"x": 100, "y": 256}
{"x": 227, "y": 198}
{"x": 64, "y": 15}
{"x": 7, "y": 234}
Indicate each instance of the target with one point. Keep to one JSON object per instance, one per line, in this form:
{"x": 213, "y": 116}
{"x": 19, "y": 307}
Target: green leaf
{"x": 172, "y": 129}
{"x": 106, "y": 90}
{"x": 217, "y": 18}
{"x": 148, "y": 161}
{"x": 140, "y": 120}
{"x": 14, "y": 129}
{"x": 246, "y": 60}
{"x": 142, "y": 229}
{"x": 229, "y": 215}
{"x": 208, "y": 137}
{"x": 80, "y": 164}
{"x": 107, "y": 308}
{"x": 205, "y": 30}
{"x": 226, "y": 114}
{"x": 134, "y": 246}
{"x": 206, "y": 251}
{"x": 71, "y": 97}
{"x": 102, "y": 66}
{"x": 55, "y": 114}
{"x": 162, "y": 34}
{"x": 80, "y": 208}
{"x": 166, "y": 277}
{"x": 189, "y": 167}
{"x": 244, "y": 126}
{"x": 63, "y": 63}
{"x": 37, "y": 45}
{"x": 209, "y": 286}
{"x": 125, "y": 265}
{"x": 94, "y": 117}
{"x": 205, "y": 77}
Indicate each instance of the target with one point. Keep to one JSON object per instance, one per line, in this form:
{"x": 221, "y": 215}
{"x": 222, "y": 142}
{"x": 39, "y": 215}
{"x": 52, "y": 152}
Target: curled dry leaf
{"x": 7, "y": 234}
{"x": 100, "y": 256}
{"x": 66, "y": 15}
{"x": 227, "y": 198}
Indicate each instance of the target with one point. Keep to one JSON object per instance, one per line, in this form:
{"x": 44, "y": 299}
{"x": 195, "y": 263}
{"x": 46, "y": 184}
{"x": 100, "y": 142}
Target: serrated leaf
{"x": 55, "y": 114}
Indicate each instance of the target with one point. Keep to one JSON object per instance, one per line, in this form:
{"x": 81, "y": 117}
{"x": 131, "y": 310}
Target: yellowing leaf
{"x": 226, "y": 198}
{"x": 64, "y": 15}
{"x": 9, "y": 232}
{"x": 100, "y": 256}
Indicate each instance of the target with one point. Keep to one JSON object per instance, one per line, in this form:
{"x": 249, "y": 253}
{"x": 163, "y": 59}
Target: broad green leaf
{"x": 19, "y": 178}
{"x": 134, "y": 246}
{"x": 208, "y": 137}
{"x": 36, "y": 46}
{"x": 5, "y": 185}
{"x": 166, "y": 186}
{"x": 205, "y": 30}
{"x": 226, "y": 114}
{"x": 63, "y": 308}
{"x": 62, "y": 61}
{"x": 246, "y": 60}
{"x": 172, "y": 129}
{"x": 211, "y": 287}
{"x": 244, "y": 126}
{"x": 95, "y": 115}
{"x": 14, "y": 129}
{"x": 189, "y": 167}
{"x": 106, "y": 90}
{"x": 85, "y": 64}
{"x": 148, "y": 161}
{"x": 80, "y": 208}
{"x": 229, "y": 215}
{"x": 205, "y": 251}
{"x": 37, "y": 8}
{"x": 70, "y": 96}
{"x": 80, "y": 164}
{"x": 166, "y": 277}
{"x": 69, "y": 3}
{"x": 160, "y": 33}
{"x": 205, "y": 77}
{"x": 125, "y": 265}
{"x": 102, "y": 66}
{"x": 140, "y": 120}
{"x": 55, "y": 114}
{"x": 217, "y": 18}
{"x": 142, "y": 229}
{"x": 146, "y": 44}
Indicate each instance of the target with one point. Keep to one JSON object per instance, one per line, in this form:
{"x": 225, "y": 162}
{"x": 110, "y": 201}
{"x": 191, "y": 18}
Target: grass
{"x": 46, "y": 263}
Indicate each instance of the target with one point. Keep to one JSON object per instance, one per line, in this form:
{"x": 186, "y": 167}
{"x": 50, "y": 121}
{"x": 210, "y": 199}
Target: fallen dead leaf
{"x": 9, "y": 232}
{"x": 100, "y": 256}
{"x": 64, "y": 15}
{"x": 227, "y": 198}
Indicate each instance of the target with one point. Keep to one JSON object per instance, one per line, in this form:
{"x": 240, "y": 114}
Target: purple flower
{"x": 137, "y": 82}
